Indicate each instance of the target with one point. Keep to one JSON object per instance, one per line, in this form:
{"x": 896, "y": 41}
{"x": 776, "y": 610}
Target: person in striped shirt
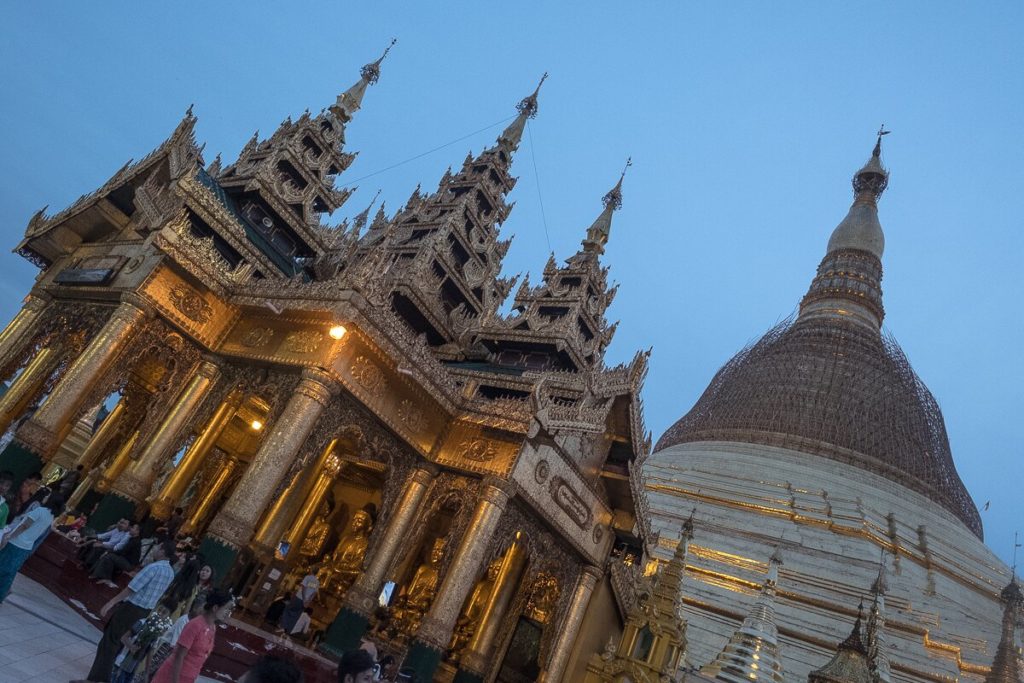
{"x": 133, "y": 603}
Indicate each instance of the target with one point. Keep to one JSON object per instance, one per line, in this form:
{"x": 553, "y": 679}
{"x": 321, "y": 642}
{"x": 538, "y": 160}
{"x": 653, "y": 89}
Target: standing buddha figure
{"x": 345, "y": 563}
{"x": 471, "y": 617}
{"x": 420, "y": 592}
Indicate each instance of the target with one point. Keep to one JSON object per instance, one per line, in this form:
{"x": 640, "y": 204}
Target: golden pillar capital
{"x": 137, "y": 480}
{"x": 317, "y": 385}
{"x": 362, "y": 596}
{"x": 36, "y": 301}
{"x": 436, "y": 627}
{"x": 65, "y": 398}
{"x": 274, "y": 458}
{"x": 497, "y": 490}
{"x": 181, "y": 476}
{"x": 570, "y": 626}
{"x": 132, "y": 300}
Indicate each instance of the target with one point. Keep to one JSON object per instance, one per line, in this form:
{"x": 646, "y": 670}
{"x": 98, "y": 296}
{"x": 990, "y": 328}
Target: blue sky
{"x": 745, "y": 123}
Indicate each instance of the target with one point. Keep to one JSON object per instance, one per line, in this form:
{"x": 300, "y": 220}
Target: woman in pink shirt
{"x": 196, "y": 641}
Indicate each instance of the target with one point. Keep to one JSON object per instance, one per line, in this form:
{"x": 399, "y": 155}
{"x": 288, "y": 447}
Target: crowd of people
{"x": 160, "y": 628}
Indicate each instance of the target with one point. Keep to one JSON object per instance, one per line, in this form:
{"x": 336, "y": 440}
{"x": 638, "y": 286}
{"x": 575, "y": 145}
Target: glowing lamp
{"x": 256, "y": 425}
{"x": 337, "y": 331}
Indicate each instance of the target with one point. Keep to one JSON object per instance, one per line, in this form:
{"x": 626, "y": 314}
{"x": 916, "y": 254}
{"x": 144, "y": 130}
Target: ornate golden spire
{"x": 511, "y": 137}
{"x": 850, "y": 662}
{"x": 878, "y": 655}
{"x": 1006, "y": 664}
{"x": 351, "y": 100}
{"x": 600, "y": 231}
{"x": 752, "y": 653}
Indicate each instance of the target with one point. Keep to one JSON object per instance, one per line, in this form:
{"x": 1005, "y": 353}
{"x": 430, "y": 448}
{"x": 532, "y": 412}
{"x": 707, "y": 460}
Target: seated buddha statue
{"x": 346, "y": 562}
{"x": 472, "y": 616}
{"x": 415, "y": 600}
{"x": 317, "y": 535}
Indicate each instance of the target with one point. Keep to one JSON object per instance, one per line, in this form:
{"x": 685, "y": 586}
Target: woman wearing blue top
{"x": 19, "y": 539}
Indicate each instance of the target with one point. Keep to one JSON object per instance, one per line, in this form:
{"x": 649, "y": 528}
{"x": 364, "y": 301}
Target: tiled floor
{"x": 42, "y": 640}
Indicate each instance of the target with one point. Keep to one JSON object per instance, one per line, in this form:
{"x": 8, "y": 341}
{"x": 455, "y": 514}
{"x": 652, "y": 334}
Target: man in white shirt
{"x": 112, "y": 539}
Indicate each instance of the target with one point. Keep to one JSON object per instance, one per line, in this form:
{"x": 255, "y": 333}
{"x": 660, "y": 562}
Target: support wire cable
{"x": 540, "y": 198}
{"x": 423, "y": 154}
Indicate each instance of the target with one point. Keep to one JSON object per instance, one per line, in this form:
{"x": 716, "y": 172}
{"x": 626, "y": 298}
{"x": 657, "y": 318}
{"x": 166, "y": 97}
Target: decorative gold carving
{"x": 303, "y": 341}
{"x": 257, "y": 337}
{"x": 369, "y": 376}
{"x": 411, "y": 415}
{"x": 478, "y": 450}
{"x": 570, "y": 502}
{"x": 543, "y": 597}
{"x": 190, "y": 304}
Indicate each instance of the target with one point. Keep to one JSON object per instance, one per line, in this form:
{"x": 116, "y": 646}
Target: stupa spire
{"x": 752, "y": 653}
{"x": 1006, "y": 666}
{"x": 351, "y": 100}
{"x": 511, "y": 137}
{"x": 600, "y": 231}
{"x": 848, "y": 282}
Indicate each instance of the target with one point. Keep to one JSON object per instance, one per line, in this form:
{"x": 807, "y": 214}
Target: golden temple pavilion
{"x": 345, "y": 400}
{"x": 472, "y": 487}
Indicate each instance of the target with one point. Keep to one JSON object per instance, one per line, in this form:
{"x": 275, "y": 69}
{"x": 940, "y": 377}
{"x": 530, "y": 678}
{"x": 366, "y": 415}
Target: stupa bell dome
{"x": 830, "y": 383}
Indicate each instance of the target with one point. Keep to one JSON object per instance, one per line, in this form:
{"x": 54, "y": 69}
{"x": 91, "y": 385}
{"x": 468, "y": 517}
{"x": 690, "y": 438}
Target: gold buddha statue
{"x": 415, "y": 600}
{"x": 317, "y": 535}
{"x": 470, "y": 619}
{"x": 543, "y": 598}
{"x": 346, "y": 562}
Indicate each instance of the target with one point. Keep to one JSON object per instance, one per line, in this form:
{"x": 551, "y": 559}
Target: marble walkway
{"x": 42, "y": 640}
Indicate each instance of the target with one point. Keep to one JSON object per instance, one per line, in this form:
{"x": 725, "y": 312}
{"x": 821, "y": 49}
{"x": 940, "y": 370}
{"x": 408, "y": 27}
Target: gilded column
{"x": 28, "y": 383}
{"x": 20, "y": 459}
{"x": 132, "y": 487}
{"x": 44, "y": 428}
{"x": 233, "y": 526}
{"x": 570, "y": 626}
{"x": 117, "y": 464}
{"x": 21, "y": 326}
{"x": 181, "y": 476}
{"x": 361, "y": 598}
{"x": 211, "y": 493}
{"x": 101, "y": 519}
{"x": 274, "y": 522}
{"x": 477, "y": 658}
{"x": 101, "y": 437}
{"x": 297, "y": 533}
{"x": 435, "y": 630}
